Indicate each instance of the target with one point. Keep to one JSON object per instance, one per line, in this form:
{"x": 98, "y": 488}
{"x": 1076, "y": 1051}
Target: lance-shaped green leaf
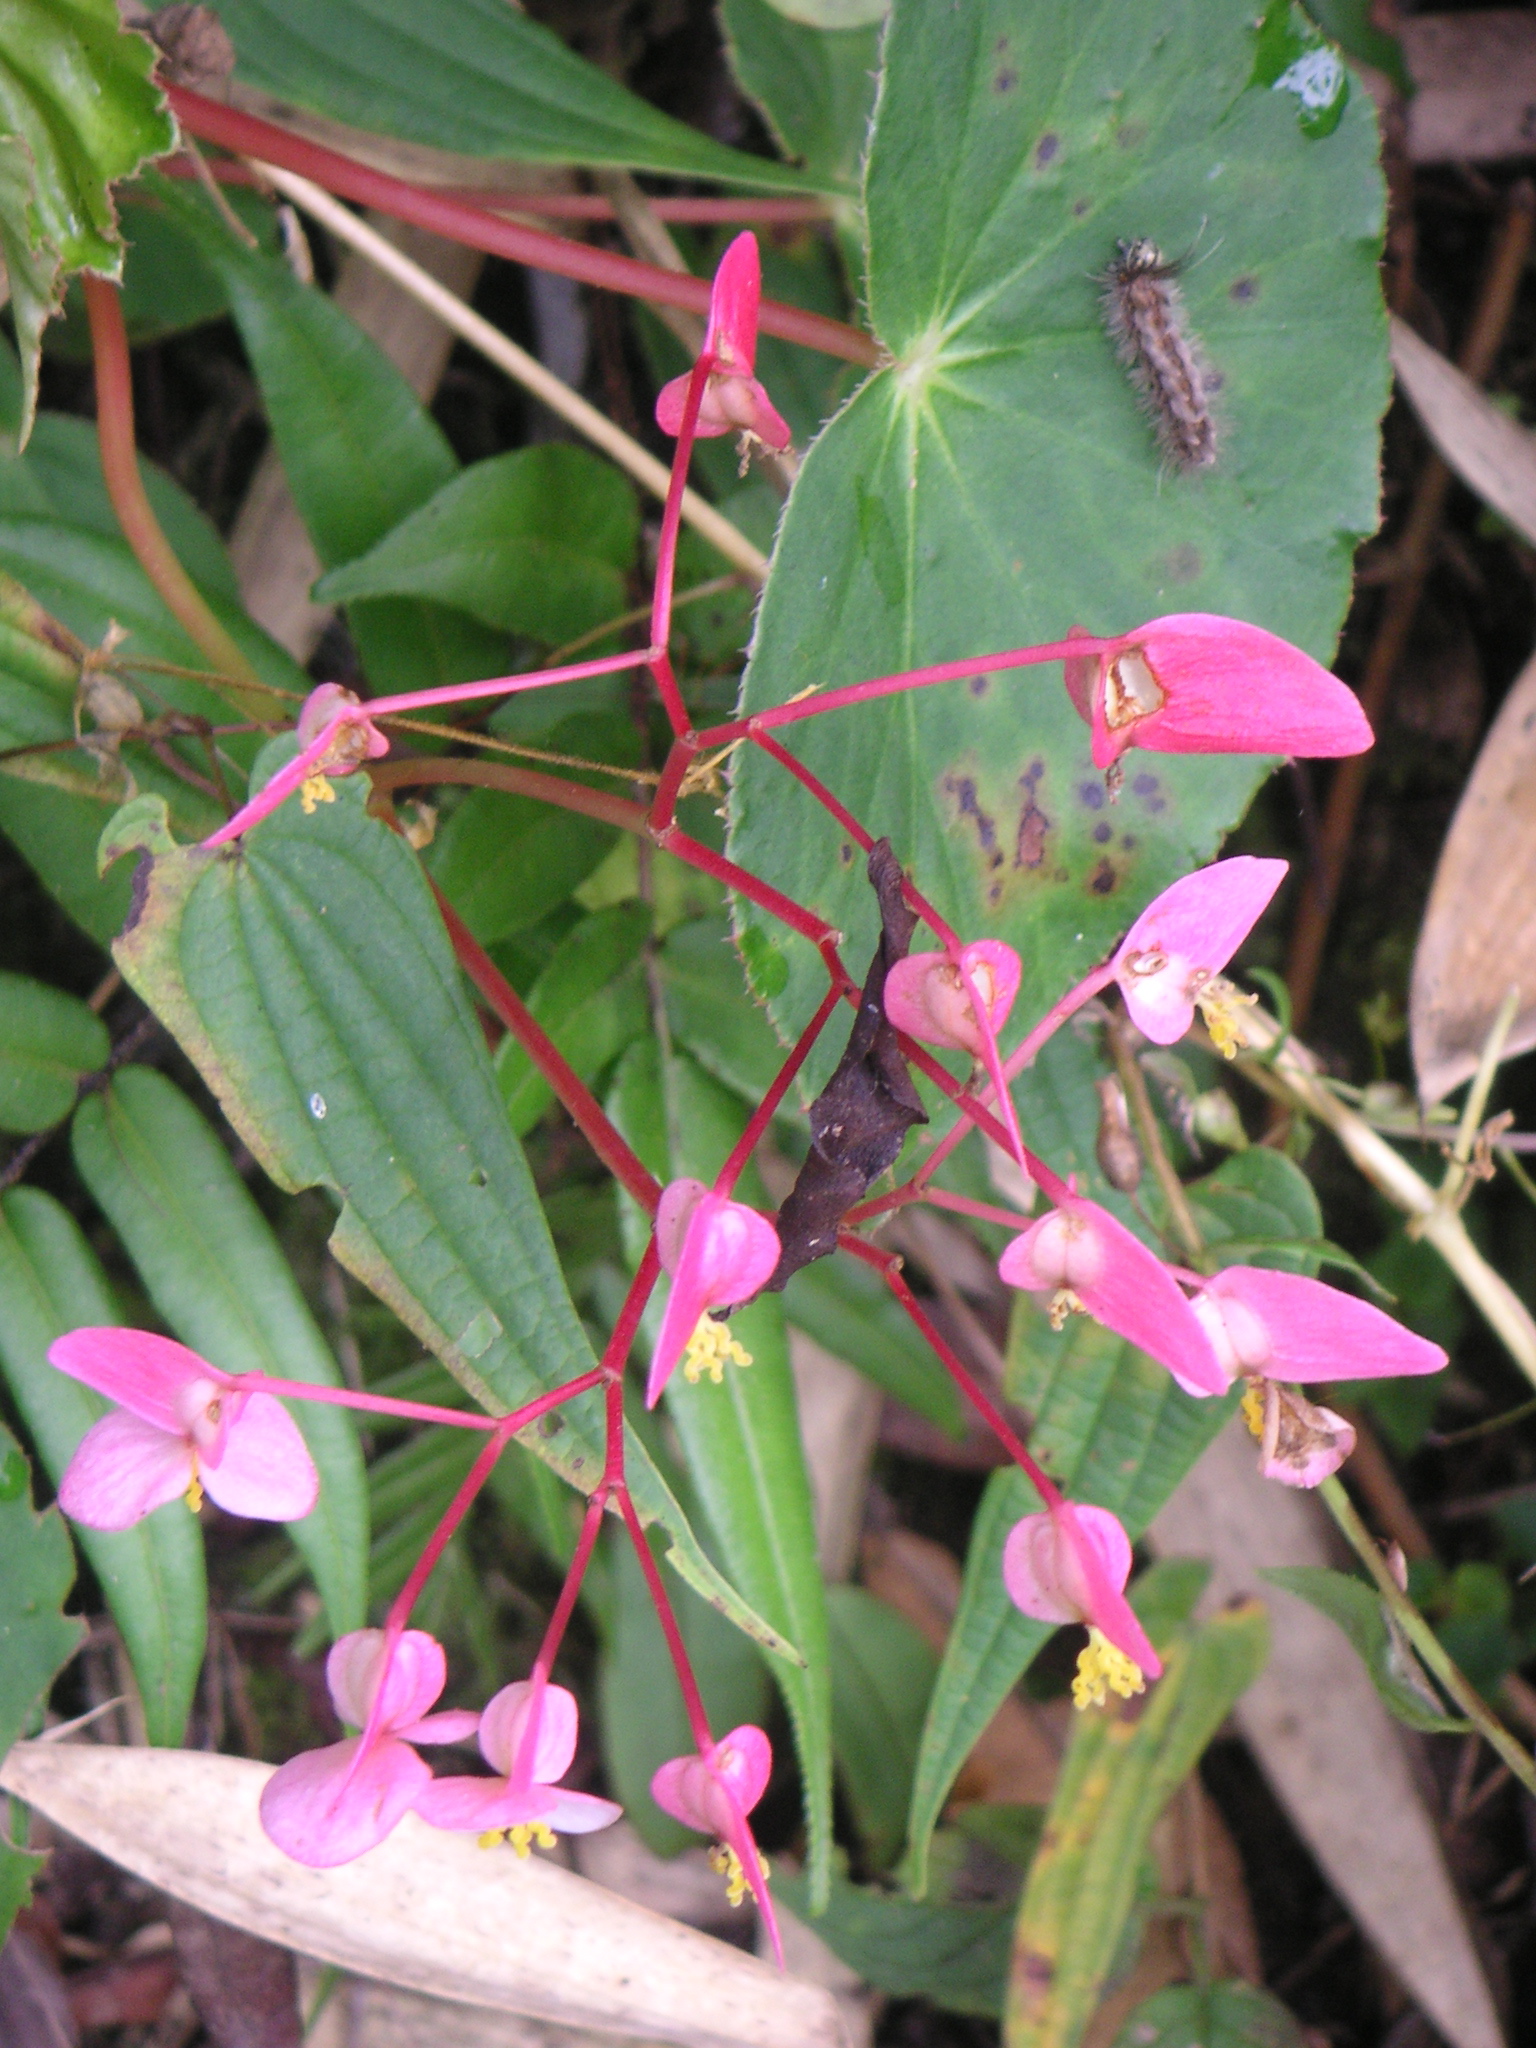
{"x": 48, "y": 1041}
{"x": 815, "y": 85}
{"x": 213, "y": 1268}
{"x": 307, "y": 975}
{"x": 78, "y": 109}
{"x": 152, "y": 1575}
{"x": 359, "y": 449}
{"x": 36, "y": 1639}
{"x": 998, "y": 483}
{"x": 1113, "y": 1430}
{"x": 1387, "y": 1655}
{"x": 1231, "y": 2015}
{"x": 882, "y": 1673}
{"x": 590, "y": 998}
{"x": 1118, "y": 1774}
{"x": 742, "y": 1437}
{"x": 473, "y": 76}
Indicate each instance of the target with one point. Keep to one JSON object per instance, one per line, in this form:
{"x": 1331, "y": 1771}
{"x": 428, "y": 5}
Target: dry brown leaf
{"x": 1326, "y": 1743}
{"x": 425, "y": 1910}
{"x": 1486, "y": 448}
{"x": 1479, "y": 934}
{"x": 359, "y": 2013}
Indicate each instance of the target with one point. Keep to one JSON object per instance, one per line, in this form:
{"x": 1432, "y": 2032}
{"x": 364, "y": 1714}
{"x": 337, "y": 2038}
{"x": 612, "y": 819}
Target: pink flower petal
{"x": 679, "y": 1199}
{"x": 733, "y": 303}
{"x": 1194, "y": 683}
{"x": 505, "y": 1720}
{"x": 140, "y": 1371}
{"x": 472, "y": 1805}
{"x": 1318, "y": 1333}
{"x": 728, "y": 1252}
{"x": 1042, "y": 1568}
{"x": 1102, "y": 1551}
{"x": 709, "y": 1792}
{"x": 122, "y": 1470}
{"x": 580, "y": 1813}
{"x": 1186, "y": 936}
{"x": 926, "y": 997}
{"x": 418, "y": 1671}
{"x": 325, "y": 1808}
{"x": 454, "y": 1724}
{"x": 266, "y": 1471}
{"x": 1121, "y": 1285}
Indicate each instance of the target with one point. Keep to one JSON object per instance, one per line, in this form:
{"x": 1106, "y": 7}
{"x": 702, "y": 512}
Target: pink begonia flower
{"x": 714, "y": 1792}
{"x": 181, "y": 1427}
{"x": 733, "y": 402}
{"x": 1071, "y": 1563}
{"x": 926, "y": 994}
{"x": 1172, "y": 956}
{"x": 1283, "y": 1326}
{"x": 331, "y": 1805}
{"x": 522, "y": 1804}
{"x": 1194, "y": 683}
{"x": 335, "y": 736}
{"x": 1085, "y": 1259}
{"x": 718, "y": 1252}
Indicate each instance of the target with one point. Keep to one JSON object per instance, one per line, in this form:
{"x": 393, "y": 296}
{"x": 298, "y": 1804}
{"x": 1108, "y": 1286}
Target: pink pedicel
{"x": 1284, "y": 1326}
{"x": 335, "y": 736}
{"x": 926, "y": 994}
{"x": 522, "y": 1801}
{"x": 714, "y": 1792}
{"x": 733, "y": 402}
{"x": 1195, "y": 683}
{"x": 1177, "y": 948}
{"x": 181, "y": 1427}
{"x": 718, "y": 1252}
{"x": 1081, "y": 1256}
{"x": 332, "y": 1805}
{"x": 1070, "y": 1563}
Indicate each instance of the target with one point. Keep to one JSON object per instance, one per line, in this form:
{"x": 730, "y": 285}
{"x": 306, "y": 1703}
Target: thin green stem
{"x": 1423, "y": 1638}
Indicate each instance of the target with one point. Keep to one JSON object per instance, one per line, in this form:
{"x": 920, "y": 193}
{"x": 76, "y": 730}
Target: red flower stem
{"x": 1052, "y": 1183}
{"x": 135, "y": 515}
{"x": 908, "y": 679}
{"x": 504, "y": 686}
{"x": 666, "y": 546}
{"x": 505, "y": 1428}
{"x": 913, "y": 896}
{"x": 373, "y": 1404}
{"x": 616, "y": 1350}
{"x": 763, "y": 1115}
{"x": 822, "y": 936}
{"x": 582, "y": 1106}
{"x": 688, "y": 1685}
{"x": 245, "y": 135}
{"x": 888, "y": 1265}
{"x": 569, "y": 205}
{"x": 938, "y": 1198}
{"x": 1057, "y": 1015}
{"x": 990, "y": 1057}
{"x": 601, "y": 804}
{"x": 674, "y": 773}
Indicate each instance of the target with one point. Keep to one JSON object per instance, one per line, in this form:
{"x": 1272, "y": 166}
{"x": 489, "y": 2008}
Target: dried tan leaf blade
{"x": 1488, "y": 450}
{"x": 426, "y": 1910}
{"x": 1479, "y": 935}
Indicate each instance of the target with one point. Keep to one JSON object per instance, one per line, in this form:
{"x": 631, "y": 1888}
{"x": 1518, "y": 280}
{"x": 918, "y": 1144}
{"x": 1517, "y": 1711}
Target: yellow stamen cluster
{"x": 521, "y": 1838}
{"x": 194, "y": 1493}
{"x": 711, "y": 1349}
{"x": 1063, "y": 1303}
{"x": 727, "y": 1863}
{"x": 315, "y": 789}
{"x": 1222, "y": 1007}
{"x": 1101, "y": 1670}
{"x": 1253, "y": 1406}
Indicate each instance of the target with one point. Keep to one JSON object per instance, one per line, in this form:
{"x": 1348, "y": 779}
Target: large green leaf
{"x": 882, "y": 1674}
{"x": 1231, "y": 2015}
{"x": 539, "y": 542}
{"x": 78, "y": 109}
{"x": 742, "y": 1438}
{"x": 954, "y": 1955}
{"x": 817, "y": 87}
{"x": 358, "y": 448}
{"x": 1116, "y": 1777}
{"x": 475, "y": 76}
{"x": 152, "y": 1575}
{"x": 48, "y": 1041}
{"x": 997, "y": 483}
{"x": 1112, "y": 1429}
{"x": 591, "y": 1000}
{"x": 215, "y": 1272}
{"x": 308, "y": 976}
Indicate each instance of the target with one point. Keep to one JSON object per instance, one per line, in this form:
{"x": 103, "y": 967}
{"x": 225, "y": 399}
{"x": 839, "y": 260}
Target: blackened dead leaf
{"x": 862, "y": 1116}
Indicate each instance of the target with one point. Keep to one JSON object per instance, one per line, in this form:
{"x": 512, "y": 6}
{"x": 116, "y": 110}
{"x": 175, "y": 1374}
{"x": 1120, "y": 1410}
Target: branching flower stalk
{"x": 1189, "y": 683}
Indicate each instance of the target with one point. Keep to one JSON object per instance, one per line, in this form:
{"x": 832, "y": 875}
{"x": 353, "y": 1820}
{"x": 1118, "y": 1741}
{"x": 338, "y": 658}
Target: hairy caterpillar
{"x": 1145, "y": 315}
